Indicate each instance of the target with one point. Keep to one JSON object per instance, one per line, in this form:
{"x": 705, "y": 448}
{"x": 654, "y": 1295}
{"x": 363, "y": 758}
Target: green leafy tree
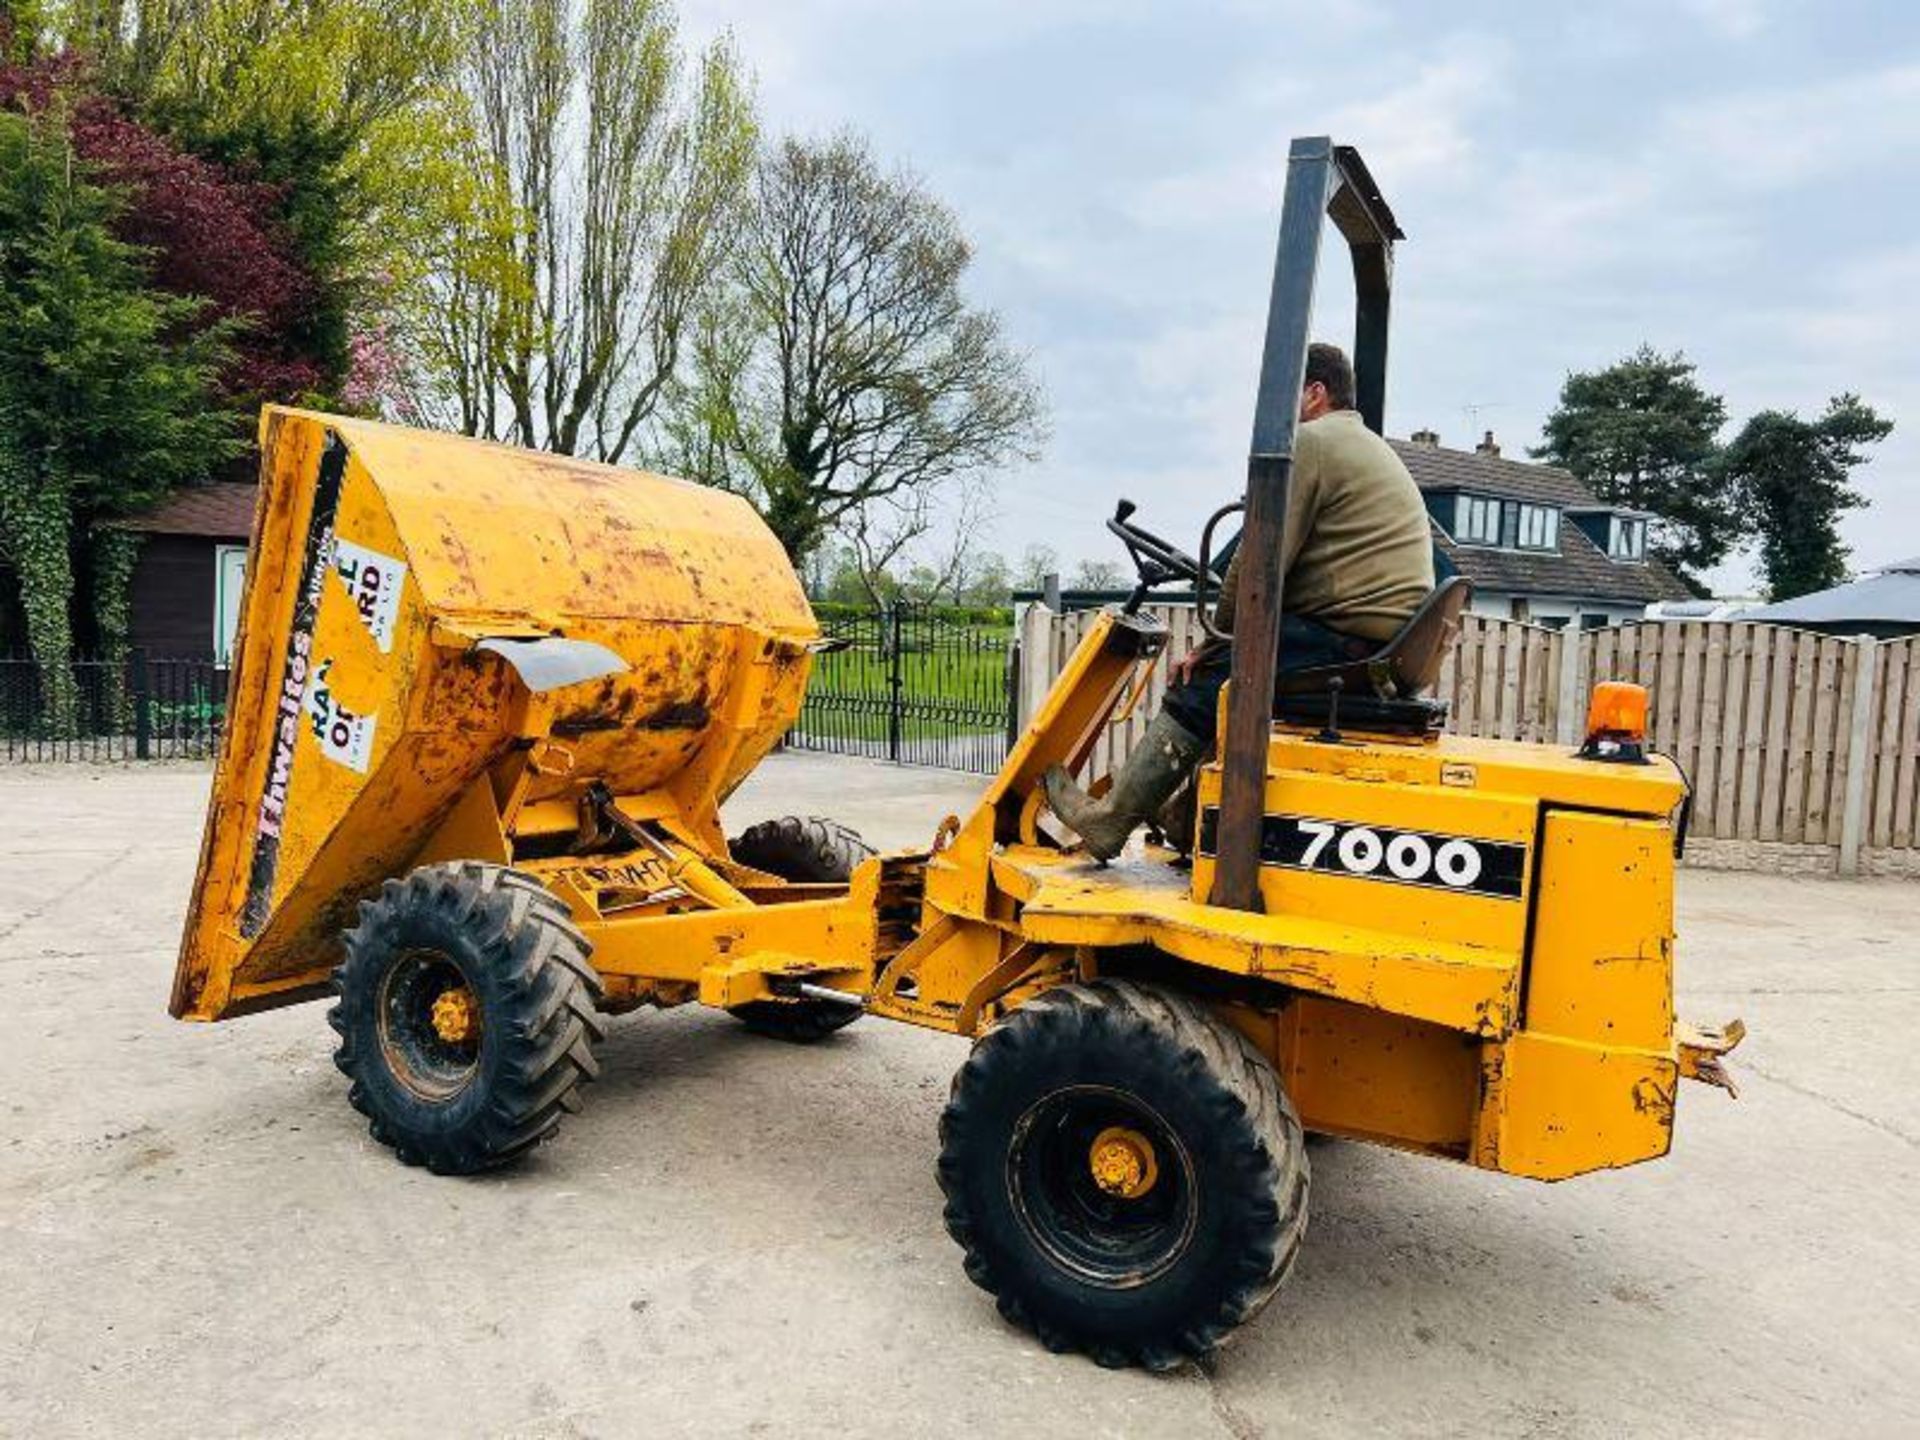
{"x": 1642, "y": 433}
{"x": 21, "y": 23}
{"x": 846, "y": 582}
{"x": 342, "y": 107}
{"x": 1795, "y": 477}
{"x": 105, "y": 385}
{"x": 846, "y": 377}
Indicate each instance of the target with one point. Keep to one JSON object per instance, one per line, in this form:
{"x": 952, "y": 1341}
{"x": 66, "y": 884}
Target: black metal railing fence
{"x": 907, "y": 684}
{"x": 915, "y": 686}
{"x": 139, "y": 707}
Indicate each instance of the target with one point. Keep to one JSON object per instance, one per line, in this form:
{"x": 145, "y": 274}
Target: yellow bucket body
{"x": 418, "y": 605}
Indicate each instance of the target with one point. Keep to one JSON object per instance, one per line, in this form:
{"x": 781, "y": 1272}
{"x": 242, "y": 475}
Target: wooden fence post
{"x": 1569, "y": 713}
{"x": 1853, "y": 811}
{"x": 1036, "y": 659}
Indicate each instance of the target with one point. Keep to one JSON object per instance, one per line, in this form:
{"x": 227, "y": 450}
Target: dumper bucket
{"x": 420, "y": 606}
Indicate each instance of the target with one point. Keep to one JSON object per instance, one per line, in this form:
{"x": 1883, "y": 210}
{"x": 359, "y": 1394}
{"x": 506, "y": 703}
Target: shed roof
{"x": 1890, "y": 598}
{"x": 222, "y": 510}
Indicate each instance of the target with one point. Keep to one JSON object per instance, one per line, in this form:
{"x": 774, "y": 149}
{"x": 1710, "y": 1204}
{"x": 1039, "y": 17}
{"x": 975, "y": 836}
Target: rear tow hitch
{"x": 1700, "y": 1051}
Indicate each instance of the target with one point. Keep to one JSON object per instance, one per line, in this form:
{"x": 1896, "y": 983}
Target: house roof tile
{"x": 1437, "y": 468}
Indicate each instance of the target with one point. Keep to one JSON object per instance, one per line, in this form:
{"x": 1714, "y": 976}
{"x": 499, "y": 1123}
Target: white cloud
{"x": 1419, "y": 125}
{"x": 1427, "y": 127}
{"x": 1735, "y": 19}
{"x": 1725, "y": 176}
{"x": 1769, "y": 139}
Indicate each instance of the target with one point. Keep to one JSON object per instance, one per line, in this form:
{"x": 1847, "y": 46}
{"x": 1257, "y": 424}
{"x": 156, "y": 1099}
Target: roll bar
{"x": 1331, "y": 181}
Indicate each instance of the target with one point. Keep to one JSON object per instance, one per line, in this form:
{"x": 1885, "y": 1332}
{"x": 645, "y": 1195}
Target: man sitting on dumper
{"x": 1358, "y": 562}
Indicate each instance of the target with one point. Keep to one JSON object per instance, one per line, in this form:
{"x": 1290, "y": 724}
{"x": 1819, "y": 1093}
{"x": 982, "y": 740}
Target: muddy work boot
{"x": 1175, "y": 819}
{"x": 1150, "y": 775}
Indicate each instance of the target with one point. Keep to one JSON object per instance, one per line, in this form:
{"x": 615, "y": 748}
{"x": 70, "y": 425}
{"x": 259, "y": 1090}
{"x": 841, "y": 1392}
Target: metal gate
{"x": 912, "y": 686}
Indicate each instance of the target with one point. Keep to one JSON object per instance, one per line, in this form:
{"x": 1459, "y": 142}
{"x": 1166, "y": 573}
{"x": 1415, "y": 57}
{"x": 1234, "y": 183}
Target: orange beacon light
{"x": 1617, "y": 723}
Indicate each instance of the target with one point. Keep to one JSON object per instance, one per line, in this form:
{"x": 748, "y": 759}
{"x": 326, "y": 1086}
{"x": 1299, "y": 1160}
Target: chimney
{"x": 1487, "y": 447}
{"x": 1428, "y": 438}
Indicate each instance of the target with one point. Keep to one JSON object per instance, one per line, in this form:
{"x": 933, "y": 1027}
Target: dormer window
{"x": 1476, "y": 520}
{"x": 1628, "y": 539}
{"x": 1619, "y": 534}
{"x": 1507, "y": 524}
{"x": 1538, "y": 528}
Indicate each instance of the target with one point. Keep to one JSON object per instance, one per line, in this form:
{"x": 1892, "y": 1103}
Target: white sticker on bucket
{"x": 373, "y": 583}
{"x": 344, "y": 737}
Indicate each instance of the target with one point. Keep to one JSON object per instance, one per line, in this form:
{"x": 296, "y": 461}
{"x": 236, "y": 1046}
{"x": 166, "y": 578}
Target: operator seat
{"x": 1387, "y": 690}
{"x": 1385, "y": 693}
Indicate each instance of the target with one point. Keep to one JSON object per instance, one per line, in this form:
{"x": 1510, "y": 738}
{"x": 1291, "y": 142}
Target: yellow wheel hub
{"x": 1123, "y": 1162}
{"x": 456, "y": 1015}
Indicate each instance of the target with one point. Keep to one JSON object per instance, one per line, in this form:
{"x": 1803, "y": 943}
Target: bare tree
{"x": 878, "y": 536}
{"x": 935, "y": 535}
{"x": 967, "y": 517}
{"x": 1096, "y": 575}
{"x": 610, "y": 181}
{"x": 846, "y": 375}
{"x": 1036, "y": 563}
{"x": 989, "y": 582}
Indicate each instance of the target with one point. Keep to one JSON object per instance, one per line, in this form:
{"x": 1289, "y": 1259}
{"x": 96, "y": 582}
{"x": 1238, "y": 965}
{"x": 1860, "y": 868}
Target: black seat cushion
{"x": 1406, "y": 666}
{"x": 1379, "y": 715}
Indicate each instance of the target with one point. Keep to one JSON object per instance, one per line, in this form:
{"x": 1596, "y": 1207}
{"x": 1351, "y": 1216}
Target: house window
{"x": 1538, "y": 528}
{"x": 1476, "y": 520}
{"x": 1629, "y": 539}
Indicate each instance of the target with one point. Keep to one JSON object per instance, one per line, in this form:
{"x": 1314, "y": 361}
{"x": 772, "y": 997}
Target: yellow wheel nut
{"x": 1122, "y": 1162}
{"x": 456, "y": 1016}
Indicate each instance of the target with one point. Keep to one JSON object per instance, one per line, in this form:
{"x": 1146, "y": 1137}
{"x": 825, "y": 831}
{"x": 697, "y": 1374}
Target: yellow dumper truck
{"x": 487, "y": 705}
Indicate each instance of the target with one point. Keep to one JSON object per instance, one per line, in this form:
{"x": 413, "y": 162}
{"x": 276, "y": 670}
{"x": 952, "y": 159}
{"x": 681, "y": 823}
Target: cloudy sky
{"x": 1739, "y": 179}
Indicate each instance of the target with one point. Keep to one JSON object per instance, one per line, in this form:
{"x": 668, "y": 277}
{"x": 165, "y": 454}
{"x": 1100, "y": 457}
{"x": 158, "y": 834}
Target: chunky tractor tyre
{"x": 807, "y": 851}
{"x": 466, "y": 1016}
{"x": 1124, "y": 1173}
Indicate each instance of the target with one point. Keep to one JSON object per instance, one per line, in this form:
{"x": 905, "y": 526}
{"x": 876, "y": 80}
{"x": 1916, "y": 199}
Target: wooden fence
{"x": 1803, "y": 749}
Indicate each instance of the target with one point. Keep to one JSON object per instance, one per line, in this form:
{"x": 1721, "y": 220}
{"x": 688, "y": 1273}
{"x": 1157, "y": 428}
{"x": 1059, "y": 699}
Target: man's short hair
{"x": 1328, "y": 365}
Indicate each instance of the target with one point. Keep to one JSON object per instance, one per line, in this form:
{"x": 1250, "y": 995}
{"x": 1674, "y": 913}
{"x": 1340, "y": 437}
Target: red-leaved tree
{"x": 207, "y": 233}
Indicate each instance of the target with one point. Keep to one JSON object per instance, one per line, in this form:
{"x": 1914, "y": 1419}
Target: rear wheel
{"x": 466, "y": 1016}
{"x": 1124, "y": 1173}
{"x": 805, "y": 850}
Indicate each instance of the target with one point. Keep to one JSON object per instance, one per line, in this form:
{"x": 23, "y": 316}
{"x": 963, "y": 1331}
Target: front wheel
{"x": 1123, "y": 1172}
{"x": 466, "y": 1016}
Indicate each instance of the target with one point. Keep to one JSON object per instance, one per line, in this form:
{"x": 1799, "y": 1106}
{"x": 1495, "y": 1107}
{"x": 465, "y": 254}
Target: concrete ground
{"x": 736, "y": 1237}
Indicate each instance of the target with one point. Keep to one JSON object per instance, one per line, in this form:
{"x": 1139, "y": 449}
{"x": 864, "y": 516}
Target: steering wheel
{"x": 1155, "y": 559}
